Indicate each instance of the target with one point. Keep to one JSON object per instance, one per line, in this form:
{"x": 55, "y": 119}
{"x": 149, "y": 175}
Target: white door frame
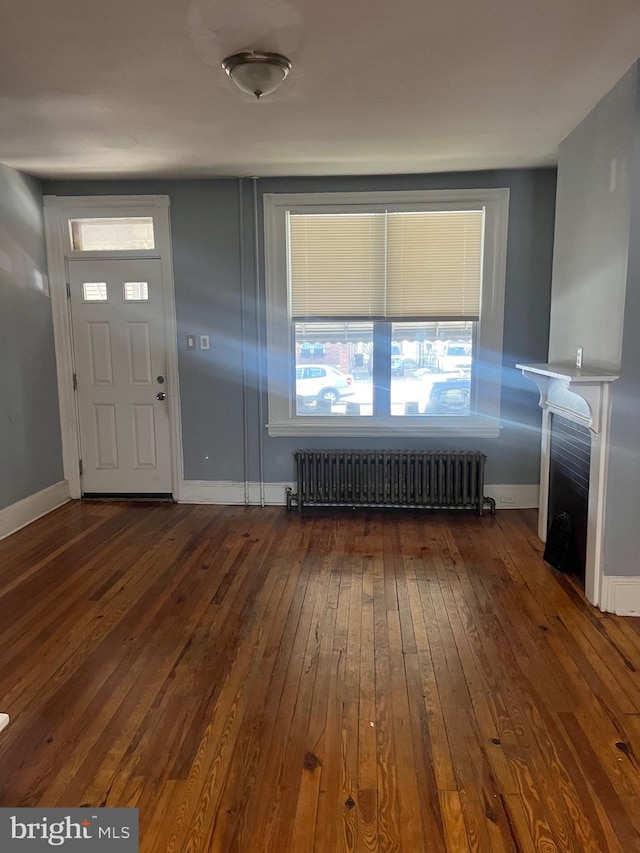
{"x": 57, "y": 211}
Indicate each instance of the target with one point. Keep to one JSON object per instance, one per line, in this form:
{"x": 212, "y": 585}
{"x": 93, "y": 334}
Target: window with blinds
{"x": 423, "y": 265}
{"x": 384, "y": 312}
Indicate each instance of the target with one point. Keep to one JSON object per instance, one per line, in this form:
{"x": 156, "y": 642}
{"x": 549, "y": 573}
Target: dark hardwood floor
{"x": 253, "y": 680}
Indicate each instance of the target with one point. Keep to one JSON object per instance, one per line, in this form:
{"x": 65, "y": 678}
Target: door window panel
{"x": 94, "y": 291}
{"x": 136, "y": 291}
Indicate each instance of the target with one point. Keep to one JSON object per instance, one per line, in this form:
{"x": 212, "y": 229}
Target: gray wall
{"x": 596, "y": 290}
{"x": 622, "y": 531}
{"x": 30, "y": 449}
{"x": 592, "y": 232}
{"x": 218, "y": 293}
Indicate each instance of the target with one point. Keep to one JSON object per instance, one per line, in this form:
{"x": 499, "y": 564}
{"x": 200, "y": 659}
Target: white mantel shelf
{"x": 580, "y": 394}
{"x": 569, "y": 374}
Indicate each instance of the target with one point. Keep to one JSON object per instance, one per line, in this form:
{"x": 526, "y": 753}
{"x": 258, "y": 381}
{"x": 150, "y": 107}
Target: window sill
{"x": 405, "y": 427}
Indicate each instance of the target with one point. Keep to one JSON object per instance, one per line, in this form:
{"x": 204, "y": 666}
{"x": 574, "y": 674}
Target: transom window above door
{"x": 114, "y": 233}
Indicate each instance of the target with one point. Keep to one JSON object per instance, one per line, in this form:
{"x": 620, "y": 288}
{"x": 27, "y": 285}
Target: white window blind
{"x": 394, "y": 266}
{"x": 434, "y": 265}
{"x": 337, "y": 265}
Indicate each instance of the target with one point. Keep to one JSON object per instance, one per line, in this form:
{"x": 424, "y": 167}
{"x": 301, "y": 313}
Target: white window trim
{"x": 280, "y": 346}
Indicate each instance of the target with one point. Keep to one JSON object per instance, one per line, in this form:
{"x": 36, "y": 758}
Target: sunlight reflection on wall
{"x": 22, "y": 261}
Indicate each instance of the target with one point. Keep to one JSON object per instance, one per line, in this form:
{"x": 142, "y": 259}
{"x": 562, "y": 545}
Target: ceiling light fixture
{"x": 257, "y": 73}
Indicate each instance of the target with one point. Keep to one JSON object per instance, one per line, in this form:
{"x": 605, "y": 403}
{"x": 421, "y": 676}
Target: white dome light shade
{"x": 257, "y": 73}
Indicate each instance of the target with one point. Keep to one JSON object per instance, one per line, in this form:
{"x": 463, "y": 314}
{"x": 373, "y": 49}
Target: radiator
{"x": 443, "y": 480}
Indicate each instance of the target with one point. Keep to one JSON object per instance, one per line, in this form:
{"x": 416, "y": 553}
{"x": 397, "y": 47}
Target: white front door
{"x": 118, "y": 324}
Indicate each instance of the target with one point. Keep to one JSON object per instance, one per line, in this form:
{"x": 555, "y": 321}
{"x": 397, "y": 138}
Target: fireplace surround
{"x": 583, "y": 397}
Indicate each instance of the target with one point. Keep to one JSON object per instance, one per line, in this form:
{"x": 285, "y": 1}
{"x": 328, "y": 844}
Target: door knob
{"x": 161, "y": 395}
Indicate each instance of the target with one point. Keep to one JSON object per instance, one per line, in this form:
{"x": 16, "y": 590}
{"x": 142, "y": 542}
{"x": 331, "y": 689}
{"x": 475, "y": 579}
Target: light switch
{"x": 191, "y": 341}
{"x": 204, "y": 341}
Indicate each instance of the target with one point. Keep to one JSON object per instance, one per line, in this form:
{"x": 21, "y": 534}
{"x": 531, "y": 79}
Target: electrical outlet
{"x": 507, "y": 499}
{"x": 204, "y": 341}
{"x": 579, "y": 358}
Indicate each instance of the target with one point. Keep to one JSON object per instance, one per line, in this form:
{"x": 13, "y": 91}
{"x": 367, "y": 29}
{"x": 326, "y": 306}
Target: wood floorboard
{"x": 336, "y": 682}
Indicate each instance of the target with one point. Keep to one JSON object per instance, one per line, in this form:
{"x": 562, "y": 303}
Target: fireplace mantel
{"x": 582, "y": 395}
{"x": 579, "y": 394}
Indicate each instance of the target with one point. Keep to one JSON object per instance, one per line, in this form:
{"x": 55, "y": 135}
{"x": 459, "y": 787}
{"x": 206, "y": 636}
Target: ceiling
{"x": 134, "y": 88}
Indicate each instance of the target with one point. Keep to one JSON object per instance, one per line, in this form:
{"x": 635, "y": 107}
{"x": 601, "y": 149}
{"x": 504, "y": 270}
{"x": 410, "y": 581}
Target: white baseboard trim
{"x": 273, "y": 494}
{"x": 232, "y": 493}
{"x": 620, "y": 595}
{"x": 513, "y": 496}
{"x": 18, "y": 515}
